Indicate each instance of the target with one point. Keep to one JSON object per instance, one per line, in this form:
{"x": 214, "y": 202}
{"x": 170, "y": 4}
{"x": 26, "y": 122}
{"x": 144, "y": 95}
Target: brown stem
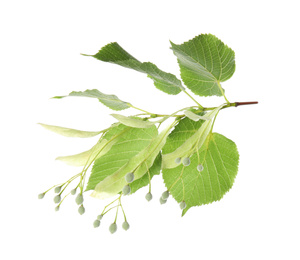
{"x": 245, "y": 103}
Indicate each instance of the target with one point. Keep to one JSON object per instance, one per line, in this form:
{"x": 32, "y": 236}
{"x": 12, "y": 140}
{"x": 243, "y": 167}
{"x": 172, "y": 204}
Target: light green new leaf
{"x": 70, "y": 132}
{"x": 131, "y": 142}
{"x": 133, "y": 122}
{"x": 195, "y": 117}
{"x": 138, "y": 164}
{"x": 83, "y": 158}
{"x": 114, "y": 53}
{"x": 143, "y": 181}
{"x": 204, "y": 62}
{"x": 110, "y": 101}
{"x": 219, "y": 158}
{"x": 189, "y": 140}
{"x": 98, "y": 150}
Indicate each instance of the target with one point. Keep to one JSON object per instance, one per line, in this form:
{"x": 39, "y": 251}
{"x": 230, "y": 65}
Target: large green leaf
{"x": 130, "y": 143}
{"x": 139, "y": 164}
{"x": 204, "y": 62}
{"x": 114, "y": 53}
{"x": 68, "y": 132}
{"x": 219, "y": 158}
{"x": 187, "y": 137}
{"x": 110, "y": 101}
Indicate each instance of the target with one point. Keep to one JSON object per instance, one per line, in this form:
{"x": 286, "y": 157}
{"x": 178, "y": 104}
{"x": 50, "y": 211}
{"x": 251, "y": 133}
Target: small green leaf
{"x": 204, "y": 62}
{"x": 165, "y": 82}
{"x": 70, "y": 132}
{"x": 133, "y": 122}
{"x": 219, "y": 157}
{"x": 110, "y": 101}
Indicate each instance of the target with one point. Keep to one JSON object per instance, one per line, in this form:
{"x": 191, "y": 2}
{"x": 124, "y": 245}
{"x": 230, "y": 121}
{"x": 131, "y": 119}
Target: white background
{"x": 40, "y": 48}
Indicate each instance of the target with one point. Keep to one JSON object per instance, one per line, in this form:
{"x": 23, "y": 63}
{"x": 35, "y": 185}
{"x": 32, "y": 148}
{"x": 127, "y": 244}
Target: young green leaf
{"x": 110, "y": 101}
{"x": 114, "y": 53}
{"x": 186, "y": 139}
{"x": 219, "y": 157}
{"x": 133, "y": 122}
{"x": 204, "y": 62}
{"x": 68, "y": 132}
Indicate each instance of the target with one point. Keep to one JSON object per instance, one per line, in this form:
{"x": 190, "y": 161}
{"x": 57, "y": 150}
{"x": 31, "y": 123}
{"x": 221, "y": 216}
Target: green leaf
{"x": 110, "y": 101}
{"x": 133, "y": 122}
{"x": 138, "y": 164}
{"x": 114, "y": 53}
{"x": 69, "y": 132}
{"x": 143, "y": 181}
{"x": 187, "y": 137}
{"x": 219, "y": 158}
{"x": 204, "y": 62}
{"x": 131, "y": 142}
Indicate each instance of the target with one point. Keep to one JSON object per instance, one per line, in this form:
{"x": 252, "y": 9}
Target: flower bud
{"x": 165, "y": 195}
{"x": 57, "y": 199}
{"x": 186, "y": 161}
{"x": 73, "y": 192}
{"x": 41, "y": 195}
{"x": 125, "y": 225}
{"x": 113, "y": 228}
{"x": 162, "y": 201}
{"x": 57, "y": 189}
{"x": 178, "y": 160}
{"x": 182, "y": 205}
{"x": 57, "y": 208}
{"x": 129, "y": 177}
{"x": 148, "y": 196}
{"x": 126, "y": 190}
{"x": 200, "y": 168}
{"x": 81, "y": 210}
{"x": 79, "y": 199}
{"x": 96, "y": 223}
{"x": 100, "y": 217}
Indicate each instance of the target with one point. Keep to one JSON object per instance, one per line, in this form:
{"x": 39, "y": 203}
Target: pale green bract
{"x": 204, "y": 62}
{"x": 114, "y": 53}
{"x": 133, "y": 122}
{"x": 85, "y": 158}
{"x": 195, "y": 117}
{"x": 220, "y": 158}
{"x": 131, "y": 141}
{"x": 68, "y": 132}
{"x": 139, "y": 164}
{"x": 190, "y": 145}
{"x": 110, "y": 101}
